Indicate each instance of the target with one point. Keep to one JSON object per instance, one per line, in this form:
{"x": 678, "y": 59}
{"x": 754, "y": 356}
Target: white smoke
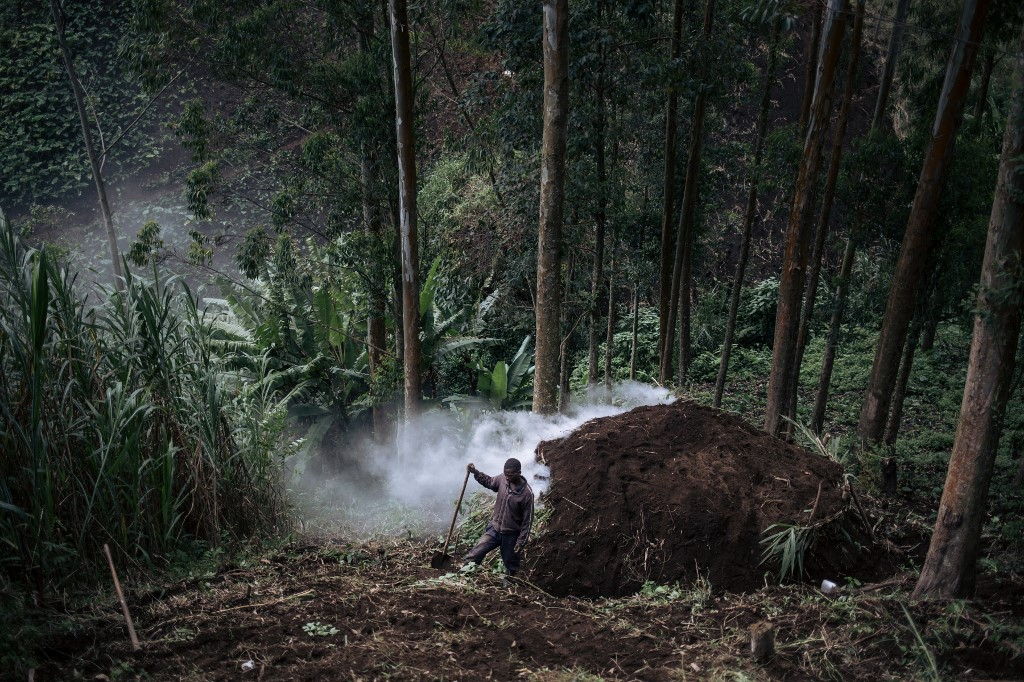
{"x": 412, "y": 484}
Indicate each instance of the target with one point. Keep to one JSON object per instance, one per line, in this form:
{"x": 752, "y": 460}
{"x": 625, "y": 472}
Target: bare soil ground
{"x": 377, "y": 611}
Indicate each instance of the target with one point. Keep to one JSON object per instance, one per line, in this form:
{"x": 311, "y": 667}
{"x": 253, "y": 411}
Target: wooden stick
{"x": 817, "y": 499}
{"x": 124, "y": 605}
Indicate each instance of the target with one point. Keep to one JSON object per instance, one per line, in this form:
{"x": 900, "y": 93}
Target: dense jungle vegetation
{"x": 242, "y": 240}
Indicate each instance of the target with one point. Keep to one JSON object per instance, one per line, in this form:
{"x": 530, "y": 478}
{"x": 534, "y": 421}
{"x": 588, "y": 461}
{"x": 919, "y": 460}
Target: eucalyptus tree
{"x": 775, "y": 15}
{"x": 669, "y": 189}
{"x": 682, "y": 267}
{"x": 920, "y": 225}
{"x": 406, "y": 151}
{"x": 552, "y": 203}
{"x": 949, "y": 567}
{"x": 827, "y": 199}
{"x": 794, "y": 266}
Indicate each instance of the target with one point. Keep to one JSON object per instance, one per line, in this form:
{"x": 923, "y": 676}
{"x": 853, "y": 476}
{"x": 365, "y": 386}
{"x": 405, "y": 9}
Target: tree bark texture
{"x": 669, "y": 194}
{"x": 636, "y": 325}
{"x": 986, "y": 78}
{"x": 811, "y": 66}
{"x": 610, "y": 328}
{"x": 600, "y": 219}
{"x": 90, "y": 150}
{"x": 794, "y": 266}
{"x": 829, "y": 358}
{"x": 949, "y": 567}
{"x": 750, "y": 213}
{"x": 920, "y": 225}
{"x": 889, "y": 70}
{"x": 892, "y": 426}
{"x": 827, "y": 199}
{"x": 564, "y": 370}
{"x": 684, "y": 235}
{"x": 407, "y": 205}
{"x": 552, "y": 200}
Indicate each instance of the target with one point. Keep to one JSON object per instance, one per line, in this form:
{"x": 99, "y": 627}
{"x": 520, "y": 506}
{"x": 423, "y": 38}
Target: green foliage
{"x": 43, "y": 155}
{"x": 755, "y": 324}
{"x": 119, "y": 425}
{"x": 787, "y": 544}
{"x": 510, "y": 386}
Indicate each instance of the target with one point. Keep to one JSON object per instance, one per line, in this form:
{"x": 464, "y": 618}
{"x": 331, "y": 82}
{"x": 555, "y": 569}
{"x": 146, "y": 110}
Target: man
{"x": 510, "y": 523}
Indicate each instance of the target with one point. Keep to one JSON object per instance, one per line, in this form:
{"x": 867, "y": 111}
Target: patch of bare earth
{"x": 376, "y": 611}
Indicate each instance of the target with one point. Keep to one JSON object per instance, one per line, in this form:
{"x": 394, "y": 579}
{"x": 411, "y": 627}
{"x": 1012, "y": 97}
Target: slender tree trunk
{"x": 932, "y": 319}
{"x": 949, "y": 567}
{"x": 404, "y": 130}
{"x": 892, "y": 427}
{"x": 669, "y": 194}
{"x": 684, "y": 237}
{"x": 376, "y": 330}
{"x": 552, "y": 196}
{"x": 920, "y": 225}
{"x": 828, "y": 360}
{"x": 987, "y": 65}
{"x": 600, "y": 216}
{"x": 821, "y": 232}
{"x": 811, "y": 66}
{"x": 636, "y": 325}
{"x": 610, "y": 335}
{"x": 750, "y": 213}
{"x": 891, "y": 57}
{"x": 794, "y": 267}
{"x": 565, "y": 348}
{"x": 90, "y": 150}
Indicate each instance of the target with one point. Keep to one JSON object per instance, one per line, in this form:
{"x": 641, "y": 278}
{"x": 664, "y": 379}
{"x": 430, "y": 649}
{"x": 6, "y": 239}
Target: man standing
{"x": 510, "y": 523}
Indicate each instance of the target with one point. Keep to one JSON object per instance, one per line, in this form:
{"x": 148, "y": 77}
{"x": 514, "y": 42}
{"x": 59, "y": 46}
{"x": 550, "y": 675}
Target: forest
{"x": 739, "y": 282}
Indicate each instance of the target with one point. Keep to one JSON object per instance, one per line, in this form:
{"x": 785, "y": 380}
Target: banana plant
{"x": 506, "y": 386}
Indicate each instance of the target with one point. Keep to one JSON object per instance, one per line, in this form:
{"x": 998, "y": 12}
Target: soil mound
{"x": 661, "y": 493}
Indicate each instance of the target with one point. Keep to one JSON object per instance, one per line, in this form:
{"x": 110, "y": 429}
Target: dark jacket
{"x": 513, "y": 510}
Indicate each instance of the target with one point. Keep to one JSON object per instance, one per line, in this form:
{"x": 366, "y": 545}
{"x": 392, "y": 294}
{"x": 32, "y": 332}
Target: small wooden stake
{"x": 124, "y": 605}
{"x": 762, "y": 641}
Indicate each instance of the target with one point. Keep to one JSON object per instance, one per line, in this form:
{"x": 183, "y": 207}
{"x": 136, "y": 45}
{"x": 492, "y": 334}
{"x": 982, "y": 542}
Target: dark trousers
{"x": 491, "y": 540}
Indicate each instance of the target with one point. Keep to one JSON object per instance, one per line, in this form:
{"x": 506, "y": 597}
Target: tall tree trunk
{"x": 750, "y": 213}
{"x": 610, "y": 335}
{"x": 669, "y": 194}
{"x": 794, "y": 266}
{"x": 376, "y": 330}
{"x": 824, "y": 216}
{"x": 636, "y": 325}
{"x": 920, "y": 225}
{"x": 810, "y": 66}
{"x": 407, "y": 205}
{"x": 932, "y": 319}
{"x": 600, "y": 216}
{"x": 891, "y": 57}
{"x": 687, "y": 213}
{"x": 828, "y": 360}
{"x": 565, "y": 347}
{"x": 987, "y": 65}
{"x": 949, "y": 567}
{"x": 90, "y": 150}
{"x": 892, "y": 426}
{"x": 552, "y": 199}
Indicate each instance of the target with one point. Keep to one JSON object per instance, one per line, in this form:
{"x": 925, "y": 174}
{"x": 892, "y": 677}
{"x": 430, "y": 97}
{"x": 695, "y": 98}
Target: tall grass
{"x": 120, "y": 424}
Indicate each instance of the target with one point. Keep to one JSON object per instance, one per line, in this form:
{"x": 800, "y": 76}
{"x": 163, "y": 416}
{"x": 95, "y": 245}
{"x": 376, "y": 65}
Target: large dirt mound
{"x": 660, "y": 493}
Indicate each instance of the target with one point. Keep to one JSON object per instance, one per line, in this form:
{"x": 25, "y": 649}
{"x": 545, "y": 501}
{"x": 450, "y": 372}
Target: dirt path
{"x": 377, "y": 611}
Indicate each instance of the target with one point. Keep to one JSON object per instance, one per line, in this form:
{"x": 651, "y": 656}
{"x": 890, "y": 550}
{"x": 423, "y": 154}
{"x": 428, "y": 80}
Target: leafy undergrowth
{"x": 377, "y": 611}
